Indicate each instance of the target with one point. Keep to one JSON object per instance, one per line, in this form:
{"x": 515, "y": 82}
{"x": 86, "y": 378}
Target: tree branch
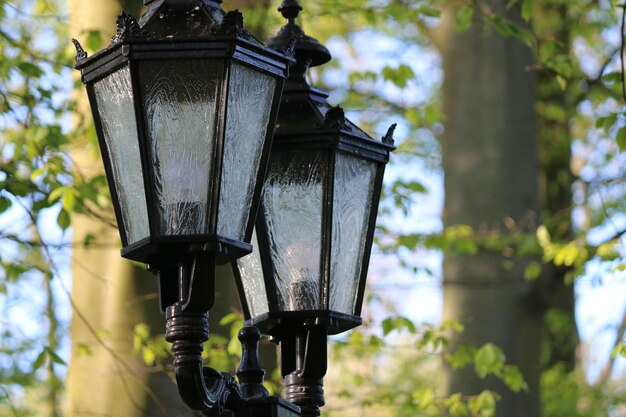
{"x": 610, "y": 363}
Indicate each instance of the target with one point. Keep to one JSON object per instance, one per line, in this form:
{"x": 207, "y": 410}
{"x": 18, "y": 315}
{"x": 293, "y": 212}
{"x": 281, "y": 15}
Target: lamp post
{"x": 185, "y": 103}
{"x": 315, "y": 224}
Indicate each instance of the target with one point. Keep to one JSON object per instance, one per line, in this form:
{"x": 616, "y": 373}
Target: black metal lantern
{"x": 318, "y": 209}
{"x": 184, "y": 103}
{"x": 315, "y": 225}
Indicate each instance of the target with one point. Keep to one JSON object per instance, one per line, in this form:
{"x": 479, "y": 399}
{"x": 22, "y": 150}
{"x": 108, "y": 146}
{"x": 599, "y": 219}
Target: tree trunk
{"x": 561, "y": 336}
{"x": 110, "y": 294}
{"x": 491, "y": 180}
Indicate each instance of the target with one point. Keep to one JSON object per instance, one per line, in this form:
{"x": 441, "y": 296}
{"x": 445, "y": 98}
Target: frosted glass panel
{"x": 250, "y": 101}
{"x": 115, "y": 104}
{"x": 354, "y": 180}
{"x": 180, "y": 104}
{"x": 292, "y": 209}
{"x": 251, "y": 273}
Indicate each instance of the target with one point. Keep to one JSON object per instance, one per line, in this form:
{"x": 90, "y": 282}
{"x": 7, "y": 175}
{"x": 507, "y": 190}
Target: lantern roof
{"x": 186, "y": 26}
{"x": 305, "y": 115}
{"x": 309, "y": 48}
{"x": 192, "y": 19}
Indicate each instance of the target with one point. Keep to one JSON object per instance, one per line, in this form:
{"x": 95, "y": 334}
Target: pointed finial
{"x": 290, "y": 9}
{"x": 80, "y": 52}
{"x": 388, "y": 138}
{"x": 308, "y": 51}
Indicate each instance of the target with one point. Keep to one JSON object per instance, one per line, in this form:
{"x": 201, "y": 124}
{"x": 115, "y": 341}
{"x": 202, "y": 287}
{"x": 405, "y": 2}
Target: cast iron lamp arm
{"x": 304, "y": 364}
{"x": 201, "y": 388}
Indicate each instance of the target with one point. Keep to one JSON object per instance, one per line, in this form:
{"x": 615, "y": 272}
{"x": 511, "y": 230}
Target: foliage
{"x": 34, "y": 162}
{"x": 376, "y": 377}
{"x": 37, "y": 181}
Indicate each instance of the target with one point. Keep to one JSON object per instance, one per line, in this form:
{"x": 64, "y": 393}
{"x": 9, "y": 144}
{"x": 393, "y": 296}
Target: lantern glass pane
{"x": 292, "y": 202}
{"x": 250, "y": 96}
{"x": 114, "y": 97}
{"x": 252, "y": 281}
{"x": 180, "y": 102}
{"x": 352, "y": 200}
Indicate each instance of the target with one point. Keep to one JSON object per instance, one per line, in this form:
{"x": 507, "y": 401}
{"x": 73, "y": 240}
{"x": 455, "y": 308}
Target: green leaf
{"x": 502, "y": 26}
{"x": 37, "y": 173}
{"x": 429, "y": 11}
{"x": 424, "y": 398}
{"x": 142, "y": 330}
{"x": 83, "y": 349}
{"x": 89, "y": 239}
{"x": 612, "y": 77}
{"x": 489, "y": 359}
{"x": 466, "y": 246}
{"x": 40, "y": 360}
{"x": 399, "y": 76}
{"x": 543, "y": 236}
{"x": 532, "y": 271}
{"x": 607, "y": 251}
{"x": 94, "y": 40}
{"x": 30, "y": 70}
{"x": 527, "y": 9}
{"x": 54, "y": 357}
{"x": 484, "y": 405}
{"x": 57, "y": 193}
{"x": 387, "y": 325}
{"x": 514, "y": 379}
{"x": 522, "y": 35}
{"x": 463, "y": 356}
{"x": 463, "y": 18}
{"x": 456, "y": 406}
{"x": 562, "y": 82}
{"x": 5, "y": 203}
{"x": 68, "y": 201}
{"x": 455, "y": 325}
{"x": 432, "y": 114}
{"x": 64, "y": 219}
{"x": 149, "y": 356}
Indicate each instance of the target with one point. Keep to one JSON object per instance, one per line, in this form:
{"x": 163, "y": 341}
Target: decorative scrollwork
{"x": 127, "y": 28}
{"x": 335, "y": 118}
{"x": 224, "y": 390}
{"x": 290, "y": 49}
{"x": 80, "y": 52}
{"x": 388, "y": 138}
{"x": 232, "y": 25}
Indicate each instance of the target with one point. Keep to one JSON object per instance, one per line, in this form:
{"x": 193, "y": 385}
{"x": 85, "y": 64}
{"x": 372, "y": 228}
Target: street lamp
{"x": 184, "y": 103}
{"x": 314, "y": 229}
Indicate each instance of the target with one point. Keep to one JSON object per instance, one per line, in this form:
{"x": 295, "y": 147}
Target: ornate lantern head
{"x": 184, "y": 103}
{"x": 318, "y": 209}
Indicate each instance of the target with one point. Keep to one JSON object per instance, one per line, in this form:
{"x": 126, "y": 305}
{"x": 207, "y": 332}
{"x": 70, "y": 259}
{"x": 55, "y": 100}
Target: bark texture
{"x": 555, "y": 150}
{"x": 491, "y": 183}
